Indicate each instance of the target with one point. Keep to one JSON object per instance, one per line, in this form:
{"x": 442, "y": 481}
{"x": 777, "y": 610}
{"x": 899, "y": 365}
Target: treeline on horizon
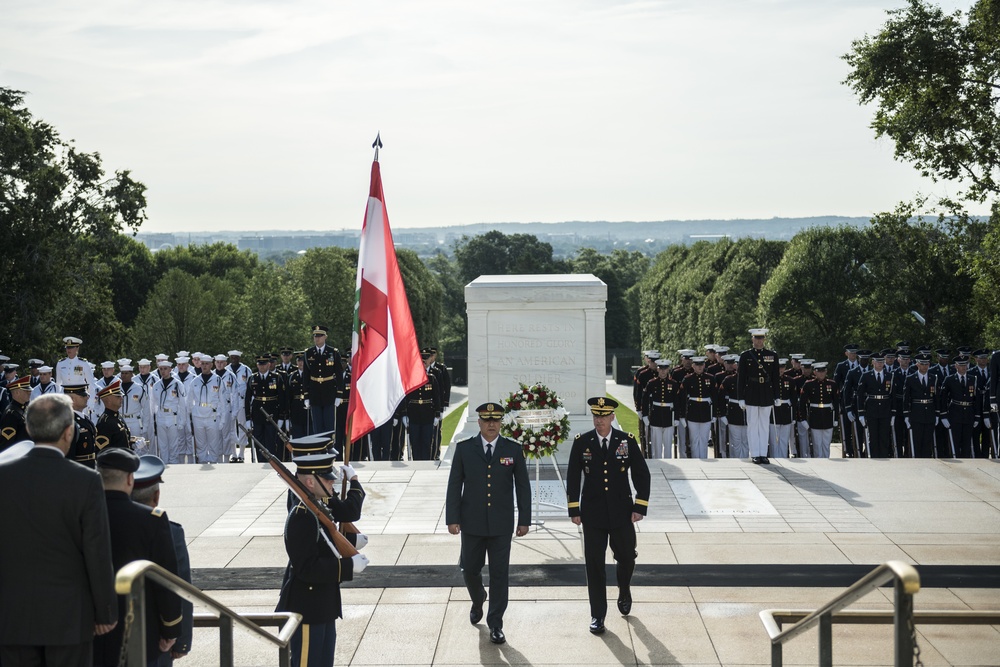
{"x": 825, "y": 287}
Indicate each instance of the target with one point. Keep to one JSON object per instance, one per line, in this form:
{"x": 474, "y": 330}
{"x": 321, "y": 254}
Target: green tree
{"x": 454, "y": 336}
{"x": 820, "y": 291}
{"x": 935, "y": 81}
{"x": 271, "y": 312}
{"x": 131, "y": 272}
{"x": 497, "y": 254}
{"x": 620, "y": 271}
{"x": 186, "y": 312}
{"x": 327, "y": 277}
{"x": 50, "y": 195}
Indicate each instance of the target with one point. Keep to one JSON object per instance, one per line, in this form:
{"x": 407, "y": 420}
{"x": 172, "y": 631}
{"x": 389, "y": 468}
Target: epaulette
{"x": 157, "y": 511}
{"x": 63, "y": 359}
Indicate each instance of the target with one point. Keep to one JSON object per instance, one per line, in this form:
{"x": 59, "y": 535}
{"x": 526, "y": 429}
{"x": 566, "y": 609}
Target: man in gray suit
{"x": 487, "y": 471}
{"x": 56, "y": 580}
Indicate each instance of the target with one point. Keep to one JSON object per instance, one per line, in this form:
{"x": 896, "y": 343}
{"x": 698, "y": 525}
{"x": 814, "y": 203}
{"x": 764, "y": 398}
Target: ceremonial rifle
{"x": 312, "y": 503}
{"x": 281, "y": 433}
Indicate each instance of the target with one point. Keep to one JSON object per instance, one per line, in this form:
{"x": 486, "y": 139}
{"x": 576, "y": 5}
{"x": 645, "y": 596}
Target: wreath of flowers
{"x": 537, "y": 440}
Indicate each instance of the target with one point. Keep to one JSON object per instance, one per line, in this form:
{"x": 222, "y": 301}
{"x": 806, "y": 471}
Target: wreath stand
{"x": 538, "y": 502}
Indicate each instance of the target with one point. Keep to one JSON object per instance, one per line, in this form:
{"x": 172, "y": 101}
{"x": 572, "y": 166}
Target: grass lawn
{"x": 627, "y": 418}
{"x": 450, "y": 424}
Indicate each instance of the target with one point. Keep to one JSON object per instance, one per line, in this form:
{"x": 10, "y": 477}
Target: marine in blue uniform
{"x": 487, "y": 472}
{"x": 605, "y": 458}
{"x": 323, "y": 373}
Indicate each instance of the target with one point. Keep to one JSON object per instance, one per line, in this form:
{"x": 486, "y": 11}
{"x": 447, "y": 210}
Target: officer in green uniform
{"x": 604, "y": 457}
{"x": 487, "y": 472}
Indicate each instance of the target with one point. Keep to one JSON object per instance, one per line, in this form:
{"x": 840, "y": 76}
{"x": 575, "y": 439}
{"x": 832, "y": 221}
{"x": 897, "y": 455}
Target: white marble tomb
{"x": 536, "y": 328}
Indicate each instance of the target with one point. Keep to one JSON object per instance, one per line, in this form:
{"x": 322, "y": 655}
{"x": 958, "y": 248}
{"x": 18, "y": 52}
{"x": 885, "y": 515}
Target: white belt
{"x": 821, "y": 405}
{"x": 699, "y": 400}
{"x": 663, "y": 405}
{"x": 785, "y": 401}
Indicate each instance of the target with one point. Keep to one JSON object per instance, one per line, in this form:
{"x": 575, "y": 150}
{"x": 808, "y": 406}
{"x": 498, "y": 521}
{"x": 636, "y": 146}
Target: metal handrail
{"x": 130, "y": 581}
{"x": 907, "y": 584}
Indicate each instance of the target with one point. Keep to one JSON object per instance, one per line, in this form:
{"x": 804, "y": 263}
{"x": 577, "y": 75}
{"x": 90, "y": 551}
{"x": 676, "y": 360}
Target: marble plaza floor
{"x": 723, "y": 540}
{"x": 797, "y": 512}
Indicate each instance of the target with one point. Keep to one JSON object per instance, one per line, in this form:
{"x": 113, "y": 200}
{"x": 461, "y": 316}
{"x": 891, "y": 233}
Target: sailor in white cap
{"x": 242, "y": 373}
{"x": 73, "y": 369}
{"x": 107, "y": 377}
{"x": 45, "y": 384}
{"x": 170, "y": 413}
{"x": 209, "y": 403}
{"x": 757, "y": 392}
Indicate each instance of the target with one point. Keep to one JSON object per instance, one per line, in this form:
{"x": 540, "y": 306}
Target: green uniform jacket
{"x": 481, "y": 493}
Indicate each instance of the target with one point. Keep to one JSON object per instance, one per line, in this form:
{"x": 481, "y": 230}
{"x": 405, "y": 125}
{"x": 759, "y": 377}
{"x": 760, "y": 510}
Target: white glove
{"x": 850, "y": 417}
{"x": 684, "y": 422}
{"x": 675, "y": 424}
{"x": 835, "y": 422}
{"x": 406, "y": 422}
{"x": 937, "y": 421}
{"x": 861, "y": 420}
{"x": 975, "y": 424}
{"x": 360, "y": 563}
{"x": 639, "y": 412}
{"x": 945, "y": 422}
{"x": 645, "y": 420}
{"x": 724, "y": 420}
{"x": 892, "y": 421}
{"x": 986, "y": 422}
{"x": 993, "y": 407}
{"x": 743, "y": 404}
{"x": 249, "y": 424}
{"x": 907, "y": 420}
{"x": 395, "y": 422}
{"x": 777, "y": 402}
{"x": 804, "y": 424}
{"x": 348, "y": 472}
{"x": 362, "y": 540}
{"x": 307, "y": 404}
{"x": 337, "y": 402}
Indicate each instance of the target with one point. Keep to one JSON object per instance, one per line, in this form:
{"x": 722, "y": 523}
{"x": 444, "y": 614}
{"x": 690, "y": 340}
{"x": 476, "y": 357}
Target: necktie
{"x": 489, "y": 450}
{"x": 878, "y": 377}
{"x": 923, "y": 380}
{"x": 604, "y": 445}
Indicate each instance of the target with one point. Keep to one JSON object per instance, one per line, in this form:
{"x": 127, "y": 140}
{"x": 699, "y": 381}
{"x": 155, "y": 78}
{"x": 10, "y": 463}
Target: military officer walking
{"x": 605, "y": 458}
{"x": 488, "y": 472}
{"x": 757, "y": 392}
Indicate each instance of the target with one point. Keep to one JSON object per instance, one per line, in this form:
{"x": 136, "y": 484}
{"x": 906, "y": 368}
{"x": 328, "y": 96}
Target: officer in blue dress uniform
{"x": 323, "y": 373}
{"x": 265, "y": 392}
{"x": 83, "y": 449}
{"x": 311, "y": 585}
{"x": 961, "y": 407}
{"x": 112, "y": 431}
{"x": 874, "y": 405}
{"x": 757, "y": 392}
{"x": 605, "y": 458}
{"x": 12, "y": 426}
{"x": 921, "y": 413}
{"x": 488, "y": 472}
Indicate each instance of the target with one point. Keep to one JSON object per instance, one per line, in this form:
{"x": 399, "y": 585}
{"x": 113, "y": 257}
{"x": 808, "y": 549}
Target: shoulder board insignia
{"x": 63, "y": 359}
{"x": 157, "y": 511}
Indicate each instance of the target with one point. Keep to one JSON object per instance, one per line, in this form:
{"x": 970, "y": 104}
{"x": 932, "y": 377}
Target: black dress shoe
{"x": 764, "y": 460}
{"x": 755, "y": 459}
{"x": 476, "y": 614}
{"x": 597, "y": 626}
{"x": 625, "y": 603}
{"x": 496, "y": 636}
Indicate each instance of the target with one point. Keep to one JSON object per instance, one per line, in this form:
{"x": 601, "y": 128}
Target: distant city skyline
{"x": 249, "y": 116}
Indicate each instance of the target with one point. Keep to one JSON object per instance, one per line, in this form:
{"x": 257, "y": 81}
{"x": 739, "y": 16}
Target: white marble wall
{"x": 536, "y": 328}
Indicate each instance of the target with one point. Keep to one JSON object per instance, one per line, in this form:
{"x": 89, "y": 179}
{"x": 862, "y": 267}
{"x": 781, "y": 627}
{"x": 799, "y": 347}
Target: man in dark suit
{"x": 487, "y": 471}
{"x": 311, "y": 586}
{"x": 56, "y": 581}
{"x": 605, "y": 456}
{"x": 137, "y": 533}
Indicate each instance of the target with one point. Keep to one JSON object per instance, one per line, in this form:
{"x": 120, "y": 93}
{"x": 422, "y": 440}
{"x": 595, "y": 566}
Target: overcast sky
{"x": 244, "y": 115}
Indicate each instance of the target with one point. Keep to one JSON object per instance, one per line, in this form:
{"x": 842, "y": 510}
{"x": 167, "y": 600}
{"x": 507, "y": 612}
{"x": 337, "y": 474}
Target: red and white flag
{"x": 385, "y": 357}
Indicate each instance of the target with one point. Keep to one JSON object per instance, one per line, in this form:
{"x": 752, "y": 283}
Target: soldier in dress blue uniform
{"x": 982, "y": 444}
{"x": 731, "y": 417}
{"x": 83, "y": 449}
{"x": 961, "y": 405}
{"x": 137, "y": 533}
{"x": 819, "y": 400}
{"x": 421, "y": 415}
{"x": 265, "y": 392}
{"x": 801, "y": 433}
{"x": 840, "y": 378}
{"x": 488, "y": 472}
{"x": 782, "y": 426}
{"x": 848, "y": 396}
{"x": 311, "y": 585}
{"x": 12, "y": 424}
{"x": 921, "y": 412}
{"x": 757, "y": 392}
{"x": 324, "y": 378}
{"x": 298, "y": 399}
{"x": 874, "y": 406}
{"x": 642, "y": 377}
{"x": 605, "y": 457}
